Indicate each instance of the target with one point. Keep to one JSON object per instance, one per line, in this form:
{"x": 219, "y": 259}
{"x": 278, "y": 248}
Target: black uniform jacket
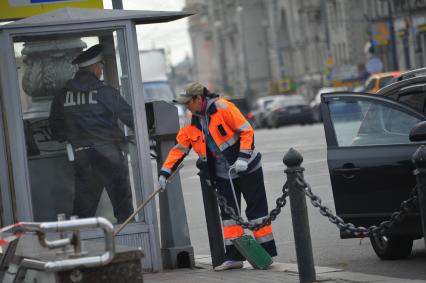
{"x": 87, "y": 111}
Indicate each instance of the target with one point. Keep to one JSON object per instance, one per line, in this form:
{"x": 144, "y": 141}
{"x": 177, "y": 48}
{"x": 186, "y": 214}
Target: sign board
{"x": 343, "y": 72}
{"x": 329, "y": 61}
{"x": 381, "y": 33}
{"x": 18, "y": 9}
{"x": 284, "y": 85}
{"x": 374, "y": 65}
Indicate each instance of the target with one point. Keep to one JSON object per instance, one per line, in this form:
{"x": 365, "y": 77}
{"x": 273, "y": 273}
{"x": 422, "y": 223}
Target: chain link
{"x": 281, "y": 202}
{"x": 406, "y": 206}
{"x": 359, "y": 231}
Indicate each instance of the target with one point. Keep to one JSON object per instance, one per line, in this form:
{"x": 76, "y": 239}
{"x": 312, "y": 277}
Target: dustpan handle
{"x": 233, "y": 190}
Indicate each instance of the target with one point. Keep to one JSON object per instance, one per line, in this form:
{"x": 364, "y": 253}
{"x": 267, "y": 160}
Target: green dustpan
{"x": 253, "y": 252}
{"x": 247, "y": 245}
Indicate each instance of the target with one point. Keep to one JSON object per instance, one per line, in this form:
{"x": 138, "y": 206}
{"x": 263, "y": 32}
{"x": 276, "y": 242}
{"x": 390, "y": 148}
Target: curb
{"x": 324, "y": 274}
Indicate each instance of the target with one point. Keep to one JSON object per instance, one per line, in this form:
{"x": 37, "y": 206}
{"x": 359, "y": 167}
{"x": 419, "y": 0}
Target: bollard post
{"x": 299, "y": 215}
{"x": 419, "y": 160}
{"x": 211, "y": 211}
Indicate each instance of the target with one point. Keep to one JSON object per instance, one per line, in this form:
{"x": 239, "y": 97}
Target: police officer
{"x": 85, "y": 114}
{"x": 223, "y": 138}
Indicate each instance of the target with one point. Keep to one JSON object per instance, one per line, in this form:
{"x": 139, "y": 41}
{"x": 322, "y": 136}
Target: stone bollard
{"x": 299, "y": 215}
{"x": 211, "y": 211}
{"x": 419, "y": 160}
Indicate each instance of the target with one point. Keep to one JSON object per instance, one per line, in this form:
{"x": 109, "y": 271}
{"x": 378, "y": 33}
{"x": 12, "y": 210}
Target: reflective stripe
{"x": 244, "y": 126}
{"x": 257, "y": 220}
{"x": 232, "y": 232}
{"x": 267, "y": 230}
{"x": 166, "y": 170}
{"x": 229, "y": 142}
{"x": 229, "y": 222}
{"x": 265, "y": 239}
{"x": 220, "y": 104}
{"x": 181, "y": 147}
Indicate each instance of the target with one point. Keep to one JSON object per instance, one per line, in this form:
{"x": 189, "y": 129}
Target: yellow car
{"x": 379, "y": 80}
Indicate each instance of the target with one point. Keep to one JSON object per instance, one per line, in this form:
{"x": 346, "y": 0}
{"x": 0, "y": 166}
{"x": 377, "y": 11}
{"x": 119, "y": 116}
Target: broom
{"x": 148, "y": 199}
{"x": 246, "y": 244}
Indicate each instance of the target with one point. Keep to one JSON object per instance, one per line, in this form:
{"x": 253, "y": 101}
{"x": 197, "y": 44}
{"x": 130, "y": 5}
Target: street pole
{"x": 392, "y": 37}
{"x": 326, "y": 31}
{"x": 247, "y": 91}
{"x": 299, "y": 215}
{"x": 222, "y": 72}
{"x": 412, "y": 35}
{"x": 281, "y": 62}
{"x": 117, "y": 4}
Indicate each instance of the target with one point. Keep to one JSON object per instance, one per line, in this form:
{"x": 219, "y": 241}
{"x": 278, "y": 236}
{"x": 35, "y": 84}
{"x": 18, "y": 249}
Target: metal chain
{"x": 281, "y": 202}
{"x": 359, "y": 231}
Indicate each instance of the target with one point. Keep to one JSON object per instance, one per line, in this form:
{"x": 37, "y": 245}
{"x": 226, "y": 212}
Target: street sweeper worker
{"x": 222, "y": 138}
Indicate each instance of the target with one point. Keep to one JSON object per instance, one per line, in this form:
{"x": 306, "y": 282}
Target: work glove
{"x": 162, "y": 182}
{"x": 240, "y": 165}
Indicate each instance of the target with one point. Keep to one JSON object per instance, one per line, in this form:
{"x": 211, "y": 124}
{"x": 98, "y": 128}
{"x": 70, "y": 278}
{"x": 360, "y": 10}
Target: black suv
{"x": 369, "y": 154}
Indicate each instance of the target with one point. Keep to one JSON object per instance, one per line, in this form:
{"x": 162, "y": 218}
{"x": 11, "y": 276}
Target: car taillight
{"x": 279, "y": 110}
{"x": 250, "y": 115}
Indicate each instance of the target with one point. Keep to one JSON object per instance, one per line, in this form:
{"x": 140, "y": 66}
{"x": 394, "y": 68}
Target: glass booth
{"x": 38, "y": 172}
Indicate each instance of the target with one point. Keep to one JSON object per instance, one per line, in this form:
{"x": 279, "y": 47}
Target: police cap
{"x": 89, "y": 57}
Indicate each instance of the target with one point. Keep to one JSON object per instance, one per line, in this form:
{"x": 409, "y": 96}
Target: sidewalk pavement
{"x": 277, "y": 273}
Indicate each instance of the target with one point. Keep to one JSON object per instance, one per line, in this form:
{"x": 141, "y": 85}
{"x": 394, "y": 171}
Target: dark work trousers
{"x": 252, "y": 187}
{"x": 97, "y": 168}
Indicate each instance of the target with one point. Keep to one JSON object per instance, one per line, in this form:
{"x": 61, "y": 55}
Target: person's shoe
{"x": 229, "y": 264}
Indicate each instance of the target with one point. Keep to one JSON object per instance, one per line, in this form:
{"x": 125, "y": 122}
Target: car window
{"x": 267, "y": 104}
{"x": 360, "y": 123}
{"x": 241, "y": 104}
{"x": 385, "y": 81}
{"x": 155, "y": 91}
{"x": 291, "y": 101}
{"x": 369, "y": 85}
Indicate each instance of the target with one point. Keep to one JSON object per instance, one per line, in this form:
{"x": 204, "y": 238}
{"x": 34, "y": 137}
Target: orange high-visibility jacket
{"x": 229, "y": 129}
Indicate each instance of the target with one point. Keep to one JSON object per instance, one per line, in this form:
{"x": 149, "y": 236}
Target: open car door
{"x": 369, "y": 158}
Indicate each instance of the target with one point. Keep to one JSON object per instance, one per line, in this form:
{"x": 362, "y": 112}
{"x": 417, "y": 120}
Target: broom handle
{"x": 233, "y": 190}
{"x": 148, "y": 199}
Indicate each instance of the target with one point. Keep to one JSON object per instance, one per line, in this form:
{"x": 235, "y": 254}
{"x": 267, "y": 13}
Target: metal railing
{"x": 76, "y": 256}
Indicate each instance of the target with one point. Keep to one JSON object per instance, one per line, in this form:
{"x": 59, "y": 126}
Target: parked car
{"x": 380, "y": 80}
{"x": 260, "y": 108}
{"x": 287, "y": 110}
{"x": 243, "y": 105}
{"x": 369, "y": 159}
{"x": 316, "y": 102}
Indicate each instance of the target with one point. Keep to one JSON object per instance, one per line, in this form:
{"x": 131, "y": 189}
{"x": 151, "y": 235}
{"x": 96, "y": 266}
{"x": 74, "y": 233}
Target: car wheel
{"x": 391, "y": 247}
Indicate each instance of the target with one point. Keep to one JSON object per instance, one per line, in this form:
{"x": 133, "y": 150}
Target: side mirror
{"x": 418, "y": 132}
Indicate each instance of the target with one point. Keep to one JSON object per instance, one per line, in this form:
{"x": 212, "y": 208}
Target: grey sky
{"x": 173, "y": 36}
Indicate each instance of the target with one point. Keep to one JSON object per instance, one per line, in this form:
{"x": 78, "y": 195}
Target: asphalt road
{"x": 329, "y": 250}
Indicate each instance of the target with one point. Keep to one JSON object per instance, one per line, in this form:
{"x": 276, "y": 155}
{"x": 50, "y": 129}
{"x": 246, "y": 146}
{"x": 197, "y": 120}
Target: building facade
{"x": 252, "y": 48}
{"x": 398, "y": 32}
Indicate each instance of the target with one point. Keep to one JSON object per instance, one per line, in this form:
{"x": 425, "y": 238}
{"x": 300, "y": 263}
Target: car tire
{"x": 391, "y": 247}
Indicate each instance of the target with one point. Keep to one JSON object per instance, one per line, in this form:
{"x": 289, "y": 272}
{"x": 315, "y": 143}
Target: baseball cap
{"x": 90, "y": 56}
{"x": 191, "y": 90}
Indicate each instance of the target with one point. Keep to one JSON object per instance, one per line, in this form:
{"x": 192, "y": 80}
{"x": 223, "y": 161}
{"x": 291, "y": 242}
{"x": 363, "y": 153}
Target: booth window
{"x": 44, "y": 66}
